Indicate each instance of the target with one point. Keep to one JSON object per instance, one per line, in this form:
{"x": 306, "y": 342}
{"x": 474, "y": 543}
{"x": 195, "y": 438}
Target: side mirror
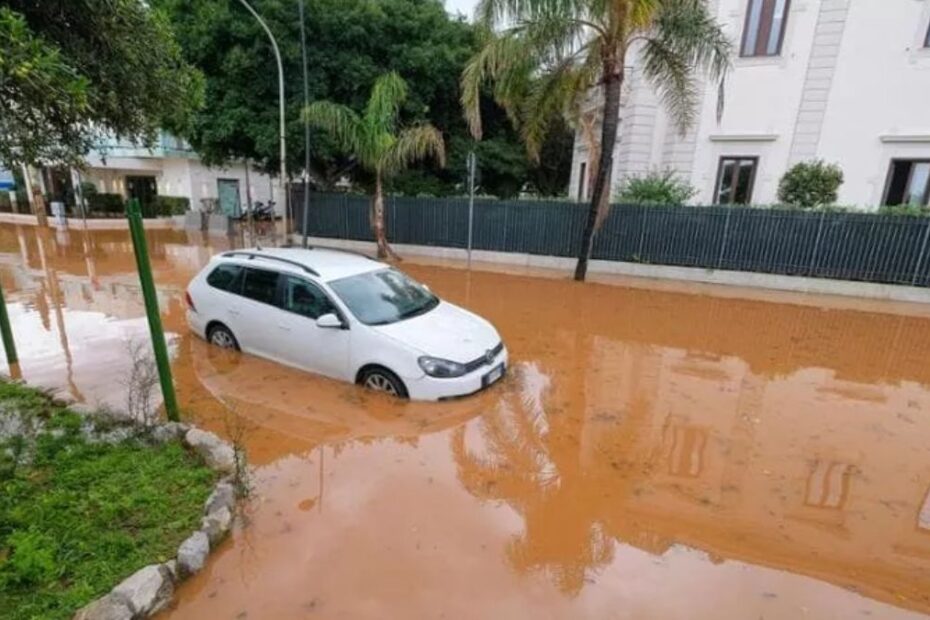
{"x": 329, "y": 321}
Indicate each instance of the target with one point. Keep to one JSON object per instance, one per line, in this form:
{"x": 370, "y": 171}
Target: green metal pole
{"x": 134, "y": 214}
{"x": 9, "y": 345}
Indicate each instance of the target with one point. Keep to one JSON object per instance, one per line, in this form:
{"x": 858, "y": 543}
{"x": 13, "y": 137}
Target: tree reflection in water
{"x": 529, "y": 460}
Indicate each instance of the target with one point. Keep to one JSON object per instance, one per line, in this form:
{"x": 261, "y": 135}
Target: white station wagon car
{"x": 345, "y": 316}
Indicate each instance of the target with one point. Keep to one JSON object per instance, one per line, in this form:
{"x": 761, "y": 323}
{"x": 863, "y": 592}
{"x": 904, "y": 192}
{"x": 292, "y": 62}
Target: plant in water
{"x": 810, "y": 184}
{"x": 376, "y": 141}
{"x": 545, "y": 58}
{"x": 655, "y": 188}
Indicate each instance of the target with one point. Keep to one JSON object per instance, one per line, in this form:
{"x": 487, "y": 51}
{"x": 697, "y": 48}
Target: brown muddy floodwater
{"x": 661, "y": 452}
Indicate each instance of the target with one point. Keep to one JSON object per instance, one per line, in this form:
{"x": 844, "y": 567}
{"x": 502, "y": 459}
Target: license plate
{"x": 493, "y": 376}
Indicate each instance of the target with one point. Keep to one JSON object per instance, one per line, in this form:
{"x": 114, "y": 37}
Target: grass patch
{"x": 76, "y": 517}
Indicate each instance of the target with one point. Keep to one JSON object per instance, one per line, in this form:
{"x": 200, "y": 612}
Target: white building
{"x": 847, "y": 81}
{"x": 172, "y": 168}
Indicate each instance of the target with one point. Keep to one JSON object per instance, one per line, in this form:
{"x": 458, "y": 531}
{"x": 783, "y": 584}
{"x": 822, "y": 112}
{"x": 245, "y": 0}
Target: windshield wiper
{"x": 420, "y": 310}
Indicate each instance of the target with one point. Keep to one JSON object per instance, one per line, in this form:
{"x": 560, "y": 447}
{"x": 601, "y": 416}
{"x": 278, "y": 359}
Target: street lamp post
{"x": 303, "y": 55}
{"x": 277, "y": 55}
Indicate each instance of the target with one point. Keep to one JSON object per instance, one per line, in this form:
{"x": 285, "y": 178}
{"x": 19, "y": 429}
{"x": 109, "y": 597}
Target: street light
{"x": 277, "y": 55}
{"x": 303, "y": 55}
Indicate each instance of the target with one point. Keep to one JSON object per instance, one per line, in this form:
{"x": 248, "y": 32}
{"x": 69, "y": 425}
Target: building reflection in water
{"x": 798, "y": 470}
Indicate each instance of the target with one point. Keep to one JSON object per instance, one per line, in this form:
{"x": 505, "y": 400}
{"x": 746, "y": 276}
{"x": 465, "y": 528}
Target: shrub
{"x": 108, "y": 204}
{"x": 907, "y": 210}
{"x": 810, "y": 184}
{"x": 171, "y": 205}
{"x": 655, "y": 188}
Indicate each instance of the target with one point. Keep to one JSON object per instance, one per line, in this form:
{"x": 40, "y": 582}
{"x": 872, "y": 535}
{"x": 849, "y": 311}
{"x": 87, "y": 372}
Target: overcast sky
{"x": 467, "y": 7}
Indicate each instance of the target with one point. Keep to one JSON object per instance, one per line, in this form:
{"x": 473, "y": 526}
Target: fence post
{"x": 642, "y": 232}
{"x": 814, "y": 253}
{"x": 723, "y": 243}
{"x": 923, "y": 251}
{"x": 345, "y": 217}
{"x": 136, "y": 231}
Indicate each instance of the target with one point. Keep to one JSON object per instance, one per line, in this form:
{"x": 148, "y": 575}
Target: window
{"x": 305, "y": 299}
{"x": 765, "y": 27}
{"x": 226, "y": 278}
{"x": 583, "y": 169}
{"x": 260, "y": 285}
{"x": 927, "y": 38}
{"x": 735, "y": 179}
{"x": 384, "y": 297}
{"x": 908, "y": 183}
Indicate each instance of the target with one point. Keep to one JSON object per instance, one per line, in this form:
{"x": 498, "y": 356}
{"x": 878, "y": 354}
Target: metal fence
{"x": 849, "y": 246}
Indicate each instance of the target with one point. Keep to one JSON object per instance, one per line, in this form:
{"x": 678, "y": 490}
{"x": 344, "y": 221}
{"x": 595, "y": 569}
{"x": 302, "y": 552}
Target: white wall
{"x": 851, "y": 86}
{"x": 178, "y": 176}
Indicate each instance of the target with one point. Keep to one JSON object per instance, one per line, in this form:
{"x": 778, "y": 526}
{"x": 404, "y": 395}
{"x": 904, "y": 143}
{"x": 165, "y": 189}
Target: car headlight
{"x": 443, "y": 369}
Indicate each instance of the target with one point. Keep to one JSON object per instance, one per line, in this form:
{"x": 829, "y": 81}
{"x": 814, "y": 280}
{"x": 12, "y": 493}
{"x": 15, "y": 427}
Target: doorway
{"x": 228, "y": 194}
{"x": 144, "y": 189}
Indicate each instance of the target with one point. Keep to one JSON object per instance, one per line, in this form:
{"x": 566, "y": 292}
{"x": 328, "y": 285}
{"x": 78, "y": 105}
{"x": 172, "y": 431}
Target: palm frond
{"x": 686, "y": 40}
{"x": 413, "y": 144}
{"x": 387, "y": 95}
{"x": 505, "y": 62}
{"x": 555, "y": 94}
{"x": 339, "y": 121}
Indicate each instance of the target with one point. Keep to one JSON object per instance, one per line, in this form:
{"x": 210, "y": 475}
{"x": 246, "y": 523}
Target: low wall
{"x": 797, "y": 284}
{"x": 73, "y": 223}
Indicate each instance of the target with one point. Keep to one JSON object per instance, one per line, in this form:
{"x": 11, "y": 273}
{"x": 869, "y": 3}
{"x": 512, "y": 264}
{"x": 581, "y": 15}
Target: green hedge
{"x": 106, "y": 204}
{"x": 170, "y": 205}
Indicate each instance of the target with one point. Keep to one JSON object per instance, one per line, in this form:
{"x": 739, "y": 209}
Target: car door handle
{"x": 233, "y": 311}
{"x": 284, "y": 327}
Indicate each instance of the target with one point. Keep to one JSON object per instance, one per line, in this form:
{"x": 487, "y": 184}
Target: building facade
{"x": 173, "y": 168}
{"x": 846, "y": 81}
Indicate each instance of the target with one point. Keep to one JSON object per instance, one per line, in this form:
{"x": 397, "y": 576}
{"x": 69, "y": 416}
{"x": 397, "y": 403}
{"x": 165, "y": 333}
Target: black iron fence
{"x": 849, "y": 246}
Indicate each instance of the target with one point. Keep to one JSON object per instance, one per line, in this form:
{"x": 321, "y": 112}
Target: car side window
{"x": 260, "y": 285}
{"x": 305, "y": 299}
{"x": 225, "y": 278}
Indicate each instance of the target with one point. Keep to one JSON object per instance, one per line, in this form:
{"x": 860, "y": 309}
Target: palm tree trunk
{"x": 613, "y": 83}
{"x": 377, "y": 221}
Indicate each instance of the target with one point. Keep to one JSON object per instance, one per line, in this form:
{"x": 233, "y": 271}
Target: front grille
{"x": 483, "y": 360}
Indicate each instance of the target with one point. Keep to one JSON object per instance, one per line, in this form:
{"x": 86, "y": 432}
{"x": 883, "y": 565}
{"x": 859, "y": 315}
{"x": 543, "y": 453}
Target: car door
{"x": 324, "y": 350}
{"x": 224, "y": 284}
{"x": 257, "y": 311}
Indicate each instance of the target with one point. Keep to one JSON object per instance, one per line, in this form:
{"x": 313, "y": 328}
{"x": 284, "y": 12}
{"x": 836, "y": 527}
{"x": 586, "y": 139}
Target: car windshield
{"x": 383, "y": 297}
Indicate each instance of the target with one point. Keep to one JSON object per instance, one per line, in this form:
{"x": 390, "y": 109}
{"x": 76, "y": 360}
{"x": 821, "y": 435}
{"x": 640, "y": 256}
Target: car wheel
{"x": 383, "y": 380}
{"x": 223, "y": 338}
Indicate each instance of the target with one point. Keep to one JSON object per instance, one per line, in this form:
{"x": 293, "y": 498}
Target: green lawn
{"x": 80, "y": 517}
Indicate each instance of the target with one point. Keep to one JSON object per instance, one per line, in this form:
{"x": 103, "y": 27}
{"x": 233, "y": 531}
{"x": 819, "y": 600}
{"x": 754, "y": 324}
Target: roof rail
{"x": 345, "y": 251}
{"x": 254, "y": 255}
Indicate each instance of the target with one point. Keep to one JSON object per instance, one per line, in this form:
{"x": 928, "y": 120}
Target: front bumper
{"x": 432, "y": 388}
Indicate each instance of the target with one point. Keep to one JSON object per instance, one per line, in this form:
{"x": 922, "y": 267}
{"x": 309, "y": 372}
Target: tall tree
{"x": 377, "y": 142}
{"x": 71, "y": 71}
{"x": 543, "y": 57}
{"x": 352, "y": 42}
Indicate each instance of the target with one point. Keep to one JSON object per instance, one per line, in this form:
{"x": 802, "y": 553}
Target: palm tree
{"x": 376, "y": 141}
{"x": 545, "y": 57}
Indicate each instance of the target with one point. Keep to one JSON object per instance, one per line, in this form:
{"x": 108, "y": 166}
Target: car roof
{"x": 326, "y": 264}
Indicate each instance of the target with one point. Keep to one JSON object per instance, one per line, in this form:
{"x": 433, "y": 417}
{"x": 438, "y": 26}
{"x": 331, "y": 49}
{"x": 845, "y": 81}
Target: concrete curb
{"x": 796, "y": 284}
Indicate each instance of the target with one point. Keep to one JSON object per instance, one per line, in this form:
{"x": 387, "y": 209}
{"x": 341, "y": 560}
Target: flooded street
{"x": 654, "y": 452}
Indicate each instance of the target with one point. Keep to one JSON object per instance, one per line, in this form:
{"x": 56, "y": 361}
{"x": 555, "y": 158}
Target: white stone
{"x": 109, "y": 607}
{"x": 216, "y": 525}
{"x": 223, "y": 496}
{"x": 146, "y": 591}
{"x": 192, "y": 554}
{"x": 169, "y": 431}
{"x": 218, "y": 454}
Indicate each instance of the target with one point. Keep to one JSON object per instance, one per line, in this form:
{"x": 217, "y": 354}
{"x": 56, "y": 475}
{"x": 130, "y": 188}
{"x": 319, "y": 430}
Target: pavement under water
{"x": 656, "y": 451}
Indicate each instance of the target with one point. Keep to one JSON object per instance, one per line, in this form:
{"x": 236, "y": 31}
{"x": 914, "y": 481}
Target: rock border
{"x": 151, "y": 589}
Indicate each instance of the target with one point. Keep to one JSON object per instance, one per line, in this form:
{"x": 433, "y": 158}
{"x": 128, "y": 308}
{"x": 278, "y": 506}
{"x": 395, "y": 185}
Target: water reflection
{"x": 652, "y": 450}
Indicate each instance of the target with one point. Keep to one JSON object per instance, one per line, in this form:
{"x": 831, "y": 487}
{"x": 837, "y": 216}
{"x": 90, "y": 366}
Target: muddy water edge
{"x": 653, "y": 453}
